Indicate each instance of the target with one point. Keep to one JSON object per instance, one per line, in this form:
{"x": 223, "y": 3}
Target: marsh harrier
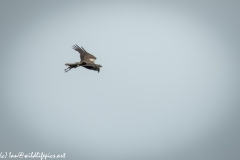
{"x": 86, "y": 60}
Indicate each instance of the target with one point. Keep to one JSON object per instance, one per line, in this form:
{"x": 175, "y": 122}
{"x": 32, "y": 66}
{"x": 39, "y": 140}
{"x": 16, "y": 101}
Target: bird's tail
{"x": 72, "y": 64}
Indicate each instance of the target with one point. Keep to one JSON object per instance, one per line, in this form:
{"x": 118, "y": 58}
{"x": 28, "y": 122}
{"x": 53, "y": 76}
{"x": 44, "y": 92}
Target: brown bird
{"x": 86, "y": 60}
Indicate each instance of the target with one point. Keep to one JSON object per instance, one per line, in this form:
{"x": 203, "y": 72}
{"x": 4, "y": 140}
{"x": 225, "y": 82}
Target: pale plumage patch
{"x": 91, "y": 59}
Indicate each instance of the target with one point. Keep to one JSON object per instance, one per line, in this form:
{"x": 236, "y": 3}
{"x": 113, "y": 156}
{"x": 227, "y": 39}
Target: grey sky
{"x": 169, "y": 86}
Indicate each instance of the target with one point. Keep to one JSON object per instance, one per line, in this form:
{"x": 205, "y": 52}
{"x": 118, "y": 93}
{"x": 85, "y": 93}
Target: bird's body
{"x": 86, "y": 60}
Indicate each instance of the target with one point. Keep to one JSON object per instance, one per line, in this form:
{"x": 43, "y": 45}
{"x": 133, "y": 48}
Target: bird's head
{"x": 98, "y": 65}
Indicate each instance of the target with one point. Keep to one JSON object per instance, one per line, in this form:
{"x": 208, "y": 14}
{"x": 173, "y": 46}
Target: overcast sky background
{"x": 168, "y": 89}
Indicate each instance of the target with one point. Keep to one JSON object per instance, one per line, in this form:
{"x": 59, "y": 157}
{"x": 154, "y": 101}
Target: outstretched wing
{"x": 89, "y": 59}
{"x": 84, "y": 55}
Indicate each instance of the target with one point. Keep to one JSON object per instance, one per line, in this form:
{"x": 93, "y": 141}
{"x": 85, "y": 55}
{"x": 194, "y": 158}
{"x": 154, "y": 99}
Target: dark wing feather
{"x": 83, "y": 53}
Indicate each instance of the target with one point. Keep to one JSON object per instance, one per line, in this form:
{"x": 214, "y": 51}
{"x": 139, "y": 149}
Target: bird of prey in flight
{"x": 86, "y": 60}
